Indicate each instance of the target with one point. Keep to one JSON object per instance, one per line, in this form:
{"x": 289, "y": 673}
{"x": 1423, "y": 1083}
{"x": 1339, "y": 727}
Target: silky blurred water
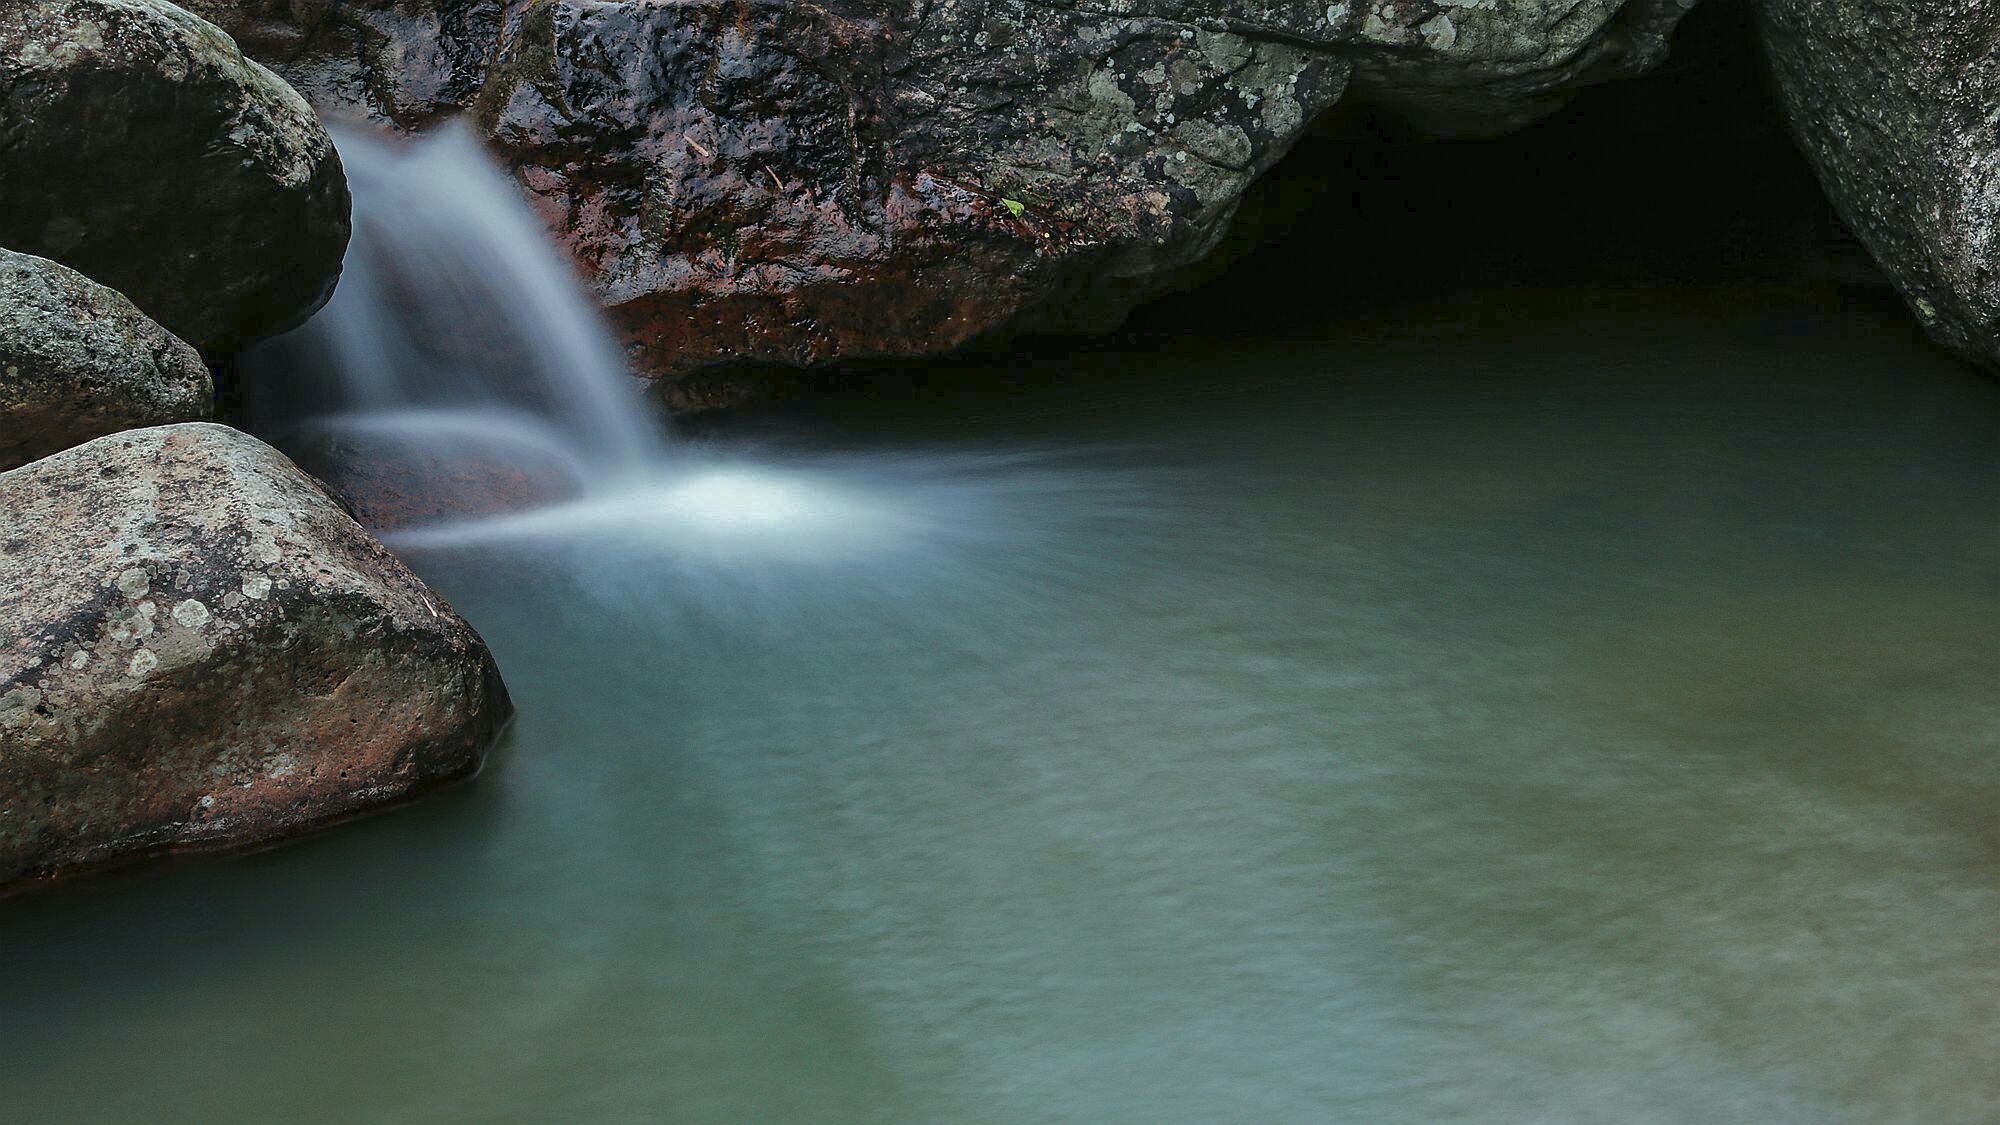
{"x": 1582, "y": 715}
{"x": 458, "y": 336}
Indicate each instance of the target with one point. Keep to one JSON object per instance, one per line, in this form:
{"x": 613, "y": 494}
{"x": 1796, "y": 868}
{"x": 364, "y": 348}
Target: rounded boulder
{"x": 144, "y": 150}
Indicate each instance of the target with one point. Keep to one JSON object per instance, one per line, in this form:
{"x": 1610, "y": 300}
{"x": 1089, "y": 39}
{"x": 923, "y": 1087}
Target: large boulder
{"x": 792, "y": 183}
{"x": 141, "y": 148}
{"x": 1894, "y": 103}
{"x": 198, "y": 649}
{"x": 78, "y": 361}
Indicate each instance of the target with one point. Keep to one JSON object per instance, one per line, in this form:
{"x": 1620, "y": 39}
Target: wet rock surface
{"x": 390, "y": 481}
{"x": 1893, "y": 102}
{"x": 794, "y": 183}
{"x": 139, "y": 146}
{"x": 78, "y": 361}
{"x": 198, "y": 648}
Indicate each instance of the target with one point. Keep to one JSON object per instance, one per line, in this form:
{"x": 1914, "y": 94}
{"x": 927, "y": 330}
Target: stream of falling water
{"x": 457, "y": 343}
{"x": 1580, "y": 711}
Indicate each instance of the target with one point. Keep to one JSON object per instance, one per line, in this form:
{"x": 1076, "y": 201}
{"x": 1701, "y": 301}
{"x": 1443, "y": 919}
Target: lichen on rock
{"x": 198, "y": 648}
{"x": 78, "y": 361}
{"x": 144, "y": 150}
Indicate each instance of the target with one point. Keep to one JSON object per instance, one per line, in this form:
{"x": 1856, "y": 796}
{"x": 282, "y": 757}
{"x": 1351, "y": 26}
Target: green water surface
{"x": 1555, "y": 710}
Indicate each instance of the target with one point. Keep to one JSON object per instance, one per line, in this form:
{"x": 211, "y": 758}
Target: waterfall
{"x": 460, "y": 388}
{"x": 459, "y": 368}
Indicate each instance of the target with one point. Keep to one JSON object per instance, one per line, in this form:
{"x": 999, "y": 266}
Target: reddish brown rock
{"x": 199, "y": 649}
{"x": 777, "y": 182}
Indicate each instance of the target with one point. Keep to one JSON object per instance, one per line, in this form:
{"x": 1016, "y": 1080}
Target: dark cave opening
{"x": 1682, "y": 177}
{"x": 1682, "y": 184}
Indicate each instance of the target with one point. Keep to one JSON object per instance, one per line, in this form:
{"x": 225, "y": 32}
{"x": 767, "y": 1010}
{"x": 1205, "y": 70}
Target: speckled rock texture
{"x": 1896, "y": 104}
{"x": 794, "y": 182}
{"x": 78, "y": 361}
{"x": 139, "y": 146}
{"x": 199, "y": 649}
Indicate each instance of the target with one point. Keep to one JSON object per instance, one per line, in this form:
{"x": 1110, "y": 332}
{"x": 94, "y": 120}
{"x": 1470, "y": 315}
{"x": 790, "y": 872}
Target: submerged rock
{"x": 1893, "y": 102}
{"x": 392, "y": 479}
{"x": 199, "y": 649}
{"x": 78, "y": 361}
{"x": 794, "y": 183}
{"x": 144, "y": 150}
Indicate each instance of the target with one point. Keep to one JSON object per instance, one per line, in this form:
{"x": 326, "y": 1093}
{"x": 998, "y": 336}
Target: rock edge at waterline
{"x": 769, "y": 182}
{"x": 199, "y": 649}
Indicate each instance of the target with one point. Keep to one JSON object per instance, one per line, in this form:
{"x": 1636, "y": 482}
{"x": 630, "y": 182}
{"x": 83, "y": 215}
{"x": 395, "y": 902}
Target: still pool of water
{"x": 1556, "y": 718}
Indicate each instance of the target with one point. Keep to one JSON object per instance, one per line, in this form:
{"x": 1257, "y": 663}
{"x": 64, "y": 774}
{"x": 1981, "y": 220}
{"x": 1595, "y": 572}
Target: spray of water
{"x": 458, "y": 346}
{"x": 461, "y": 389}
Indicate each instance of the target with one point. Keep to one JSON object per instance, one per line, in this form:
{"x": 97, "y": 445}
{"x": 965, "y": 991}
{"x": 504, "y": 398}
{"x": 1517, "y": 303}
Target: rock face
{"x": 141, "y": 148}
{"x": 764, "y": 180}
{"x": 199, "y": 649}
{"x": 78, "y": 361}
{"x": 1893, "y": 102}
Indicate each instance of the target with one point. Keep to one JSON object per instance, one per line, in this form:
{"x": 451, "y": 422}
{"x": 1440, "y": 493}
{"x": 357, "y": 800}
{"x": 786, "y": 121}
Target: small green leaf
{"x": 1014, "y": 206}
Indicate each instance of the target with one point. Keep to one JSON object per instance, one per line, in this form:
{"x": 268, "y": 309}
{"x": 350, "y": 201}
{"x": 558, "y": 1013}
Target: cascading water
{"x": 457, "y": 346}
{"x": 461, "y": 387}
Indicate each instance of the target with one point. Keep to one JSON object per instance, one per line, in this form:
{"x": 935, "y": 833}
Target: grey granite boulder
{"x": 78, "y": 361}
{"x": 139, "y": 146}
{"x": 199, "y": 649}
{"x": 1896, "y": 104}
